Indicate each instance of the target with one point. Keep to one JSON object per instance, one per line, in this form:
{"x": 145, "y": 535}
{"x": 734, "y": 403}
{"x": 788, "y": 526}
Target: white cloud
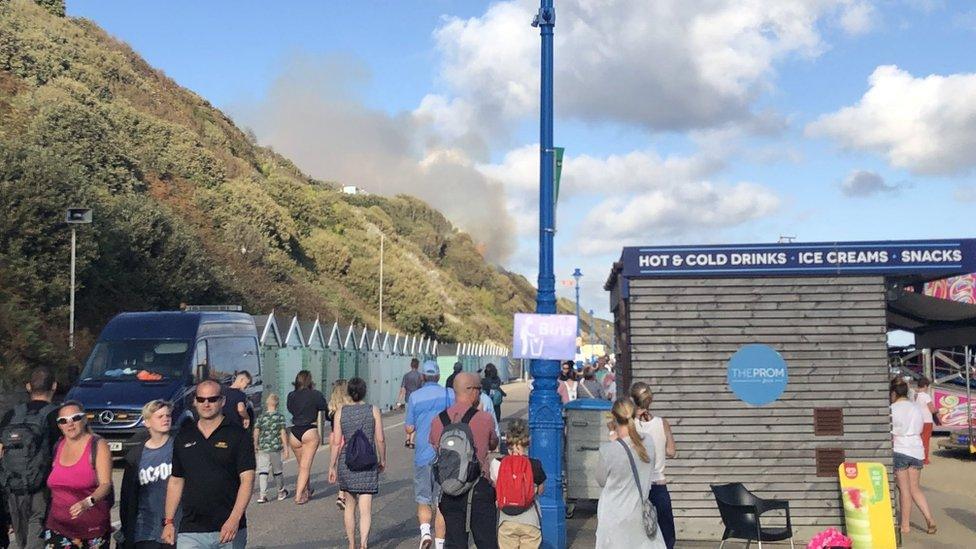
{"x": 926, "y": 125}
{"x": 862, "y": 183}
{"x": 662, "y": 65}
{"x": 859, "y": 18}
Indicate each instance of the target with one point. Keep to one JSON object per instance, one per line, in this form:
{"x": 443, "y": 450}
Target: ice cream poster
{"x": 867, "y": 505}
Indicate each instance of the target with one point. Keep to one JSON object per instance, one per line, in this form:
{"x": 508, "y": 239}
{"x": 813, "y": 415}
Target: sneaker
{"x": 426, "y": 541}
{"x": 262, "y": 499}
{"x": 282, "y": 494}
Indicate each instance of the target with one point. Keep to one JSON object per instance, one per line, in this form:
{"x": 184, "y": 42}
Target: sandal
{"x": 931, "y": 528}
{"x": 409, "y": 444}
{"x": 341, "y": 503}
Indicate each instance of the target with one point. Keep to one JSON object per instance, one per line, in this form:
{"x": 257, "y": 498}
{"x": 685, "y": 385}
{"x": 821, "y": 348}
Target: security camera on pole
{"x": 74, "y": 216}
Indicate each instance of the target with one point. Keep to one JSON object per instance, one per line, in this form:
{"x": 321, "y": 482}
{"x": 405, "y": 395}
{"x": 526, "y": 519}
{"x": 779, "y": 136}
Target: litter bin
{"x": 586, "y": 428}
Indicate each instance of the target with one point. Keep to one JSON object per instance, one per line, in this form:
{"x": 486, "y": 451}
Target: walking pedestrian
{"x": 24, "y": 466}
{"x": 359, "y": 459}
{"x": 80, "y": 484}
{"x": 657, "y": 432}
{"x": 148, "y": 467}
{"x": 412, "y": 380}
{"x": 338, "y": 399}
{"x": 923, "y": 399}
{"x": 423, "y": 406}
{"x": 624, "y": 472}
{"x": 213, "y": 475}
{"x": 271, "y": 442}
{"x": 462, "y": 436}
{"x": 304, "y": 405}
{"x": 519, "y": 480}
{"x": 590, "y": 387}
{"x": 906, "y": 430}
{"x": 450, "y": 379}
{"x": 492, "y": 386}
{"x": 568, "y": 386}
{"x": 235, "y": 400}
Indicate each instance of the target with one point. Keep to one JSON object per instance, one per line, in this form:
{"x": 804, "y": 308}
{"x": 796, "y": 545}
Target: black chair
{"x": 741, "y": 509}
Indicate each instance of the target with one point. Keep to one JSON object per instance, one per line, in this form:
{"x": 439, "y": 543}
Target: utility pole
{"x": 577, "y": 275}
{"x": 382, "y": 238}
{"x": 545, "y": 406}
{"x": 74, "y": 216}
{"x": 592, "y": 340}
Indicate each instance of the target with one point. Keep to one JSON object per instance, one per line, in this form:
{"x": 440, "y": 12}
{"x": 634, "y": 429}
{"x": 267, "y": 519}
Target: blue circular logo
{"x": 757, "y": 374}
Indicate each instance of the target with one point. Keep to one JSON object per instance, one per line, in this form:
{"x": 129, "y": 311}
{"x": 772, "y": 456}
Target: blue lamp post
{"x": 545, "y": 406}
{"x": 577, "y": 275}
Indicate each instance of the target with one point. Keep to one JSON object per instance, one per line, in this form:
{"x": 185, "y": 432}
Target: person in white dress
{"x": 619, "y": 522}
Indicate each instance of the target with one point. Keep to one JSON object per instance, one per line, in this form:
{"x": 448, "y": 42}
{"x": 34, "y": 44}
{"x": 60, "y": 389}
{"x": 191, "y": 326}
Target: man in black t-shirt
{"x": 213, "y": 474}
{"x": 235, "y": 401}
{"x": 27, "y": 499}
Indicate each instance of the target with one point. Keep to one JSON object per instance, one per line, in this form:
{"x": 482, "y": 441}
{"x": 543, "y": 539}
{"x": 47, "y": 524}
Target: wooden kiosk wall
{"x": 678, "y": 335}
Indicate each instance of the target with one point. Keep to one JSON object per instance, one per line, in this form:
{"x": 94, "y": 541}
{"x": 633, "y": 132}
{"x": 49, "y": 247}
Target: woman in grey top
{"x": 590, "y": 387}
{"x": 360, "y": 485}
{"x": 619, "y": 522}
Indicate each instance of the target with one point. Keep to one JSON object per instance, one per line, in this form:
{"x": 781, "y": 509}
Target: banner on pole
{"x": 550, "y": 337}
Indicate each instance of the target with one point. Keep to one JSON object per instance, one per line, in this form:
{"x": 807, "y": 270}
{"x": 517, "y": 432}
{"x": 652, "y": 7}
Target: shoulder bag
{"x": 648, "y": 512}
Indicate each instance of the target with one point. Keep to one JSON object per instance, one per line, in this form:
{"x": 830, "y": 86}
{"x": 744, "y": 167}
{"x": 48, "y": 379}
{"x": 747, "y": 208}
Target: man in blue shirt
{"x": 423, "y": 406}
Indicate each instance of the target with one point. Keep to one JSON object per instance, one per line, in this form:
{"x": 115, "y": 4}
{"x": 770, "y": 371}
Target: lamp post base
{"x": 546, "y": 427}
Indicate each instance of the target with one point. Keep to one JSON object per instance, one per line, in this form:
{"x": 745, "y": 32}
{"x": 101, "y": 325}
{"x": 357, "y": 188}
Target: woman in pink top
{"x": 80, "y": 483}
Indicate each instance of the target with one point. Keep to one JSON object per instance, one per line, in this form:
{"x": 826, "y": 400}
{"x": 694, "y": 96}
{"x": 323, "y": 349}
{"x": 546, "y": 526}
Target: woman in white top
{"x": 568, "y": 385}
{"x": 923, "y": 399}
{"x": 619, "y": 511}
{"x": 658, "y": 431}
{"x": 906, "y": 433}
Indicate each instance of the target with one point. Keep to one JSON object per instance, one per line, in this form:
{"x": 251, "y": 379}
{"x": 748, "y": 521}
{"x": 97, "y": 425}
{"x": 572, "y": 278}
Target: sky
{"x": 684, "y": 122}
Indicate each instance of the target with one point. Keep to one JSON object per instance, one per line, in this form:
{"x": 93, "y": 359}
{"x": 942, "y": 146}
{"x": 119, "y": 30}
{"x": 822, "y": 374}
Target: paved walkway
{"x": 950, "y": 483}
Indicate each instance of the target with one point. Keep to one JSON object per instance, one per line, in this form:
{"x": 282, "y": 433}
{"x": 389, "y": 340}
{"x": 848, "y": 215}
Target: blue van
{"x": 141, "y": 357}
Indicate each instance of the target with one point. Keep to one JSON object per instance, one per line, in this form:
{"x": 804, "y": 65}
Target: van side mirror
{"x": 200, "y": 373}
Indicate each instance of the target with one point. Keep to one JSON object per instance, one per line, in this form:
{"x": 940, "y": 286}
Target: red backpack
{"x": 515, "y": 487}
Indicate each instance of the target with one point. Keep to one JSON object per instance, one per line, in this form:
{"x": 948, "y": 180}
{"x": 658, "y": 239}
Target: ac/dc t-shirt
{"x": 155, "y": 467}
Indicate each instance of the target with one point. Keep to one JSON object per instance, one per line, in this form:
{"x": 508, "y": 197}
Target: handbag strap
{"x": 633, "y": 468}
{"x": 583, "y": 385}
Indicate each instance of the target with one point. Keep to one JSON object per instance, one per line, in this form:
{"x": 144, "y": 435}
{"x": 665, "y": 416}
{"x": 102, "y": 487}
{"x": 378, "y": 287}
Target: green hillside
{"x": 188, "y": 209}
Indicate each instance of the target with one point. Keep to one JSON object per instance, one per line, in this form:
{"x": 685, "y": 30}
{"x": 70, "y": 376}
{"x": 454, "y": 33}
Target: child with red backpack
{"x": 518, "y": 483}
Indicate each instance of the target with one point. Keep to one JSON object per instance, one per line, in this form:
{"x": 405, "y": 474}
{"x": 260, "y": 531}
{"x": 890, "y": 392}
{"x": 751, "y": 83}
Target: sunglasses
{"x": 211, "y": 400}
{"x": 64, "y": 420}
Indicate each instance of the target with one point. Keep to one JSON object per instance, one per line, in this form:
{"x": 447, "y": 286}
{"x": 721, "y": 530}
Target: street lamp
{"x": 545, "y": 406}
{"x": 74, "y": 216}
{"x": 577, "y": 275}
{"x": 592, "y": 339}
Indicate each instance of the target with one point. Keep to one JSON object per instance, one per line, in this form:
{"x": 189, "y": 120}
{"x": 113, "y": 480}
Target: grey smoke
{"x": 313, "y": 115}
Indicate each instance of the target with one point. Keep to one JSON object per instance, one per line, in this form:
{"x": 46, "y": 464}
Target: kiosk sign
{"x": 866, "y": 497}
{"x": 757, "y": 374}
{"x": 839, "y": 258}
{"x": 544, "y": 336}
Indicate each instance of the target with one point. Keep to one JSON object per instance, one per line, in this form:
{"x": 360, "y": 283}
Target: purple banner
{"x": 544, "y": 336}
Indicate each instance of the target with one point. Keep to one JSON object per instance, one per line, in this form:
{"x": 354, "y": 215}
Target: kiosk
{"x": 808, "y": 387}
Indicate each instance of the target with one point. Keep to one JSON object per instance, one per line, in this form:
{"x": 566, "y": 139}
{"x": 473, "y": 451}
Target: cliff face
{"x": 188, "y": 209}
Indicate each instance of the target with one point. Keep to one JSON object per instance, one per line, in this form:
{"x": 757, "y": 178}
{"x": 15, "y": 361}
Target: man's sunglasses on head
{"x": 211, "y": 400}
{"x": 64, "y": 420}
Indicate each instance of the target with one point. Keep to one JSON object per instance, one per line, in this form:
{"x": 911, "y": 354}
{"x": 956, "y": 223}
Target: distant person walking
{"x": 519, "y": 480}
{"x": 213, "y": 475}
{"x": 923, "y": 399}
{"x": 423, "y": 407}
{"x": 449, "y": 382}
{"x": 235, "y": 400}
{"x": 492, "y": 386}
{"x": 80, "y": 484}
{"x": 271, "y": 443}
{"x": 412, "y": 380}
{"x": 624, "y": 472}
{"x": 906, "y": 430}
{"x": 568, "y": 386}
{"x": 590, "y": 387}
{"x": 304, "y": 405}
{"x": 462, "y": 436}
{"x": 358, "y": 459}
{"x": 338, "y": 399}
{"x": 144, "y": 480}
{"x": 24, "y": 466}
{"x": 657, "y": 433}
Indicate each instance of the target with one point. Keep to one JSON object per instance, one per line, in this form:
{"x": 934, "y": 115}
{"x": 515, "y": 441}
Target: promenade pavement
{"x": 948, "y": 483}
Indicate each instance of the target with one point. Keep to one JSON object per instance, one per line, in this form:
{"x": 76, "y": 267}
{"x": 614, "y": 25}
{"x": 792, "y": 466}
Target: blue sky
{"x": 684, "y": 122}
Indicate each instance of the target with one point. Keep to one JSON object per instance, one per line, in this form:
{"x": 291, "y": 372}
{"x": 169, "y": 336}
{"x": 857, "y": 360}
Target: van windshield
{"x": 145, "y": 360}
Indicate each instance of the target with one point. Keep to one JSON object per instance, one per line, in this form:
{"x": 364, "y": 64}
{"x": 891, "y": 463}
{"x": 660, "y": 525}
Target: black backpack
{"x": 26, "y": 450}
{"x": 360, "y": 454}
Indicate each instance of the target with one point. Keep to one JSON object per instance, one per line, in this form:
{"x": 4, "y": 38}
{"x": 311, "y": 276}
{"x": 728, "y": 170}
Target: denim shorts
{"x": 904, "y": 462}
{"x": 425, "y": 489}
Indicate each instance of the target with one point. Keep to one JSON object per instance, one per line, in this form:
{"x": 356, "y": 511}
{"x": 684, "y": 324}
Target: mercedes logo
{"x": 106, "y": 417}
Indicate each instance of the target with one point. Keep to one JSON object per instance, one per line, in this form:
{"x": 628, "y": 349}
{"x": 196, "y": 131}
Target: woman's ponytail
{"x": 623, "y": 414}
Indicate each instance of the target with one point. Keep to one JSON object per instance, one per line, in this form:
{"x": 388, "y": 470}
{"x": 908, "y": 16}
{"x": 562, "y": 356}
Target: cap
{"x": 430, "y": 368}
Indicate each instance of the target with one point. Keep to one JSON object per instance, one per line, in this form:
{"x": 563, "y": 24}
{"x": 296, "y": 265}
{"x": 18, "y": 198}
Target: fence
{"x": 380, "y": 359}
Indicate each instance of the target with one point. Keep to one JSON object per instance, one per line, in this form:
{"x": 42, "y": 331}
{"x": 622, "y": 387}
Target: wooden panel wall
{"x": 830, "y": 331}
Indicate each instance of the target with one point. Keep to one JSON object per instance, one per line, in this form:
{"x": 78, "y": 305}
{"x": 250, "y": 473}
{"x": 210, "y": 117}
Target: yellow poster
{"x": 867, "y": 505}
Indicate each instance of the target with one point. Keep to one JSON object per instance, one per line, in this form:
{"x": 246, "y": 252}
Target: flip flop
{"x": 341, "y": 503}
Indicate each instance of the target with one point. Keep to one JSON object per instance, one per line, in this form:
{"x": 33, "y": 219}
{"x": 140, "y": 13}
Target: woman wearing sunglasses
{"x": 80, "y": 483}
